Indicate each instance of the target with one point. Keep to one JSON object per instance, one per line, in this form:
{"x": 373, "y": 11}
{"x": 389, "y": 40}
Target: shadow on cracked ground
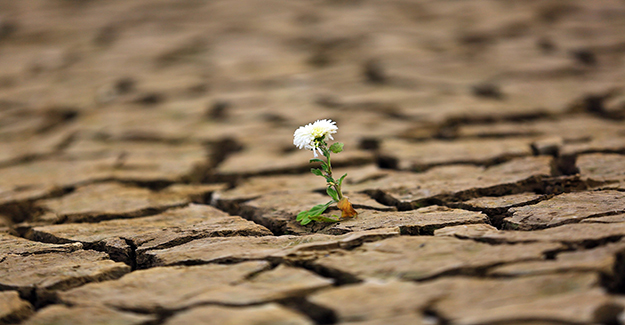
{"x": 148, "y": 175}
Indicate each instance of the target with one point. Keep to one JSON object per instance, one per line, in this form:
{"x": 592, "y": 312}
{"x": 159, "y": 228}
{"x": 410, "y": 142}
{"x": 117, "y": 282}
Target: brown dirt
{"x": 148, "y": 175}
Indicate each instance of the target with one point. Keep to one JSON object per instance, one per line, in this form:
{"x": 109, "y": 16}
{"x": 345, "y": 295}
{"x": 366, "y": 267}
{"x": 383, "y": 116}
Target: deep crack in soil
{"x": 148, "y": 174}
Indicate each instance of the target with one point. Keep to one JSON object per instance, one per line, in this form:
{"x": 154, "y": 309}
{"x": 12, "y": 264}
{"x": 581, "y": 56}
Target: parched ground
{"x": 148, "y": 175}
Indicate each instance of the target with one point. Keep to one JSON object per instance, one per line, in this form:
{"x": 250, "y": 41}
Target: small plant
{"x": 313, "y": 136}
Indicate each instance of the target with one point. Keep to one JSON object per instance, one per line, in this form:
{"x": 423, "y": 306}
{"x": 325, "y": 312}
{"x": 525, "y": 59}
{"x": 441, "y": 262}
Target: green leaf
{"x": 324, "y": 166}
{"x": 306, "y": 217}
{"x": 332, "y": 193}
{"x": 336, "y": 147}
{"x": 324, "y": 219}
{"x": 341, "y": 180}
{"x": 317, "y": 209}
{"x": 330, "y": 179}
{"x": 301, "y": 215}
{"x": 316, "y": 171}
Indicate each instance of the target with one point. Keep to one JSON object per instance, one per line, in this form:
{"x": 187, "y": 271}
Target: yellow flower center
{"x": 318, "y": 132}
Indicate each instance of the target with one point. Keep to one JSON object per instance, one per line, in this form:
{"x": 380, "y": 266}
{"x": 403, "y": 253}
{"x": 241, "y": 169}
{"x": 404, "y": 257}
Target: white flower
{"x": 311, "y": 135}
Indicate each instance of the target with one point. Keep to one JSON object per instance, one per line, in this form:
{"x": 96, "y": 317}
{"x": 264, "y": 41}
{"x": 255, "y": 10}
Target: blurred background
{"x": 162, "y": 91}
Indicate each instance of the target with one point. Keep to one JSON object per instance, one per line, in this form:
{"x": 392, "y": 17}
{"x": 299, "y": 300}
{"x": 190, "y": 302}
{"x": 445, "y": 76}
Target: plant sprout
{"x": 313, "y": 136}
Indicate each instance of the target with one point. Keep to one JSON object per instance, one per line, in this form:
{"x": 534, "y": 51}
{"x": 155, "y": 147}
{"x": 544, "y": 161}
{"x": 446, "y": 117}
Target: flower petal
{"x": 305, "y": 136}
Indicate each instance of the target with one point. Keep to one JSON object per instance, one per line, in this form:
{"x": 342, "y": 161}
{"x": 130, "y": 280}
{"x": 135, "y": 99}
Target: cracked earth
{"x": 148, "y": 175}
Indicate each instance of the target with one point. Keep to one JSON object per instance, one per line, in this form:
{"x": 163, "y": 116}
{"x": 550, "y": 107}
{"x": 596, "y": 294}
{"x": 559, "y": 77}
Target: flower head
{"x": 312, "y": 135}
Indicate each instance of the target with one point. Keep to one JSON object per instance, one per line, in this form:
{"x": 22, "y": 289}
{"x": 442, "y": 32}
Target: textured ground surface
{"x": 148, "y": 176}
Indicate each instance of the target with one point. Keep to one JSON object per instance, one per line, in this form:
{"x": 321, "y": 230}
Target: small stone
{"x": 257, "y": 315}
{"x": 59, "y": 314}
{"x": 12, "y": 308}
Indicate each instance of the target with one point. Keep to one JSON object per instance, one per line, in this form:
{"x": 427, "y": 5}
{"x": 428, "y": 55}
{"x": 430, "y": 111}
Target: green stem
{"x": 336, "y": 187}
{"x": 338, "y": 191}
